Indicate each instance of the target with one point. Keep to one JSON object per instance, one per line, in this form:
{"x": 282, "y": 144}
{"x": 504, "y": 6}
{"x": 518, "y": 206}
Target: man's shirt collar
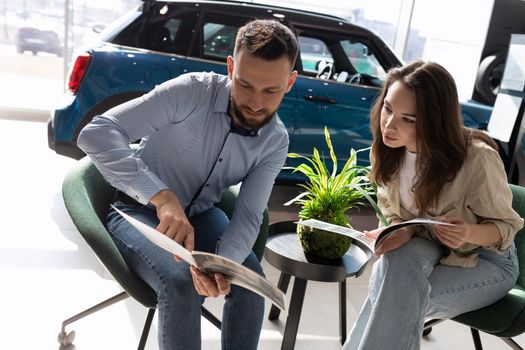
{"x": 222, "y": 105}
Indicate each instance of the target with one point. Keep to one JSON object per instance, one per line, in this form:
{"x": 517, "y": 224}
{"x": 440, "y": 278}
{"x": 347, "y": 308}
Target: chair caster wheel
{"x": 427, "y": 331}
{"x": 66, "y": 339}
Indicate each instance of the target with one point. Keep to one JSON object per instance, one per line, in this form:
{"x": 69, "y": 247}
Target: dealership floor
{"x": 49, "y": 273}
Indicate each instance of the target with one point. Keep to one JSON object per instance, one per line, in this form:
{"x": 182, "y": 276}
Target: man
{"x": 200, "y": 133}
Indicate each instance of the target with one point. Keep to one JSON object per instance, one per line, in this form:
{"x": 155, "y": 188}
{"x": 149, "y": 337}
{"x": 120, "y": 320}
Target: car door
{"x": 339, "y": 79}
{"x": 216, "y": 34}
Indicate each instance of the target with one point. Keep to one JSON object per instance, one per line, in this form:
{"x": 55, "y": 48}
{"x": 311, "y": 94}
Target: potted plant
{"x": 328, "y": 196}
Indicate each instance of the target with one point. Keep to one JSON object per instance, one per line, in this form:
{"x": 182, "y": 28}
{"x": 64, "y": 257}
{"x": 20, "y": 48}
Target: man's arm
{"x": 107, "y": 138}
{"x": 237, "y": 240}
{"x": 107, "y": 141}
{"x": 173, "y": 222}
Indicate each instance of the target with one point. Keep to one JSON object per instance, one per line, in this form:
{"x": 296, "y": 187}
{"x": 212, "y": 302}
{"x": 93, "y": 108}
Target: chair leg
{"x": 145, "y": 331}
{"x": 67, "y": 338}
{"x": 211, "y": 317}
{"x": 476, "y": 339}
{"x": 512, "y": 343}
{"x": 427, "y": 327}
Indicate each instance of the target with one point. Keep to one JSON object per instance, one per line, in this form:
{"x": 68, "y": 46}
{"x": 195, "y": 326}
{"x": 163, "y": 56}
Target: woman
{"x": 427, "y": 164}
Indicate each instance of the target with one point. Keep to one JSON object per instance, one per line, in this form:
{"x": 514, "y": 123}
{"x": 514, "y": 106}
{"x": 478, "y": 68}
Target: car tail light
{"x": 78, "y": 71}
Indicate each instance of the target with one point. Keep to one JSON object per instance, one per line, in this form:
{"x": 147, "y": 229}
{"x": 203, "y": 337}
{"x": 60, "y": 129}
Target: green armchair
{"x": 87, "y": 197}
{"x": 505, "y": 318}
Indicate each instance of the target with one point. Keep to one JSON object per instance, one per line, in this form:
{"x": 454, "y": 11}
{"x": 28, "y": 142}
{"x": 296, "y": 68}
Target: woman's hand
{"x": 209, "y": 287}
{"x": 392, "y": 241}
{"x": 453, "y": 236}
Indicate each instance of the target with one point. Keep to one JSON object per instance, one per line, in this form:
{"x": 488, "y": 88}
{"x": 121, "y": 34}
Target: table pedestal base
{"x": 296, "y": 306}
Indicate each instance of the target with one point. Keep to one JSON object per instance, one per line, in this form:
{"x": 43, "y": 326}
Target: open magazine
{"x": 210, "y": 263}
{"x": 369, "y": 242}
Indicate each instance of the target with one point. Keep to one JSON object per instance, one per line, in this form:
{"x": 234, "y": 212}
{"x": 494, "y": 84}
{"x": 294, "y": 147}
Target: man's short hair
{"x": 267, "y": 39}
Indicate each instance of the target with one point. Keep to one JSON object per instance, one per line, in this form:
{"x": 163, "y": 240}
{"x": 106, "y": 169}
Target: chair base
{"x": 512, "y": 343}
{"x": 427, "y": 328}
{"x": 507, "y": 340}
{"x": 66, "y": 339}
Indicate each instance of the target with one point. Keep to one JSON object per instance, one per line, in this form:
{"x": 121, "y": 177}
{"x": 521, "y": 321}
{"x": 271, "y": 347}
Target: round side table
{"x": 284, "y": 252}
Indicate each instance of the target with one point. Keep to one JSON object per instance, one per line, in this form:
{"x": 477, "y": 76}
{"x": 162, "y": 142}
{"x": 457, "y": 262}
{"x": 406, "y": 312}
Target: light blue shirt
{"x": 185, "y": 133}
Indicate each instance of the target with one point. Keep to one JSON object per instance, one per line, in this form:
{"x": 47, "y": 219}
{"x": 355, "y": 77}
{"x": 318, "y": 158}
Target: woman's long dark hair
{"x": 441, "y": 139}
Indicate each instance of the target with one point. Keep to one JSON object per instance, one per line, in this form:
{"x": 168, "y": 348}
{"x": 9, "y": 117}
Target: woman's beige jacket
{"x": 478, "y": 194}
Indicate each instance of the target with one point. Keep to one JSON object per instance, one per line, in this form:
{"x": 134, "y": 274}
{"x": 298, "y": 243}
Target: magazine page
{"x": 418, "y": 221}
{"x": 240, "y": 275}
{"x": 159, "y": 239}
{"x": 369, "y": 242}
{"x": 211, "y": 263}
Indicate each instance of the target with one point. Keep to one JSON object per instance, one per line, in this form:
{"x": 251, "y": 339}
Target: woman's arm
{"x": 484, "y": 234}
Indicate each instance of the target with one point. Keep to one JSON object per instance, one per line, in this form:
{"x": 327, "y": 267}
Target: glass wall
{"x": 449, "y": 32}
{"x": 32, "y": 38}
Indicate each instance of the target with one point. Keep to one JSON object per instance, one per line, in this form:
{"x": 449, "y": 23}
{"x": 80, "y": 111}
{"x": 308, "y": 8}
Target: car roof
{"x": 294, "y": 15}
{"x": 260, "y": 4}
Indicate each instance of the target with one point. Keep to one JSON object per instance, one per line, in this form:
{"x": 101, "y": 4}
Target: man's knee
{"x": 178, "y": 283}
{"x": 253, "y": 263}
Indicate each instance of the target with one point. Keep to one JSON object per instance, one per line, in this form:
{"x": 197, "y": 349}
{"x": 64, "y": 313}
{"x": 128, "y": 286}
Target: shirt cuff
{"x": 145, "y": 186}
{"x": 506, "y": 237}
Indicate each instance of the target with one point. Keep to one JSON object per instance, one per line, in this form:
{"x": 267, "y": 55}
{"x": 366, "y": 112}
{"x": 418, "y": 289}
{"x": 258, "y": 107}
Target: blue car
{"x": 341, "y": 68}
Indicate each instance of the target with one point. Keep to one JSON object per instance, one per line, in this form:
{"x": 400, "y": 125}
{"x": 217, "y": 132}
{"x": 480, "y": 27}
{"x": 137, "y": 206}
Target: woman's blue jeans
{"x": 409, "y": 285}
{"x": 178, "y": 303}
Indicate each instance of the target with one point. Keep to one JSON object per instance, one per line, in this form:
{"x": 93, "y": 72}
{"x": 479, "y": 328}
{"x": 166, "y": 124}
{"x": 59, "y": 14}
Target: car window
{"x": 336, "y": 57}
{"x": 312, "y": 52}
{"x": 219, "y": 40}
{"x": 362, "y": 59}
{"x": 167, "y": 28}
{"x": 216, "y": 37}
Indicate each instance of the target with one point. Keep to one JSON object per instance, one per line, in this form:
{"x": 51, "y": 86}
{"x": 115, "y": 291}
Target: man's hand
{"x": 209, "y": 287}
{"x": 173, "y": 221}
{"x": 392, "y": 241}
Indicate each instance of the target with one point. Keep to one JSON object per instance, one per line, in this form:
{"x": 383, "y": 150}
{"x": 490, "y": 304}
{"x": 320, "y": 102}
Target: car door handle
{"x": 324, "y": 99}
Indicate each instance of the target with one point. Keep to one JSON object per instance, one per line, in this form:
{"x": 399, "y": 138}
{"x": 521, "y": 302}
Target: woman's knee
{"x": 407, "y": 264}
{"x": 417, "y": 254}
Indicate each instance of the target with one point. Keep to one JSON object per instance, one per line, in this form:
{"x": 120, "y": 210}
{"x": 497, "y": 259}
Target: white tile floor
{"x": 48, "y": 273}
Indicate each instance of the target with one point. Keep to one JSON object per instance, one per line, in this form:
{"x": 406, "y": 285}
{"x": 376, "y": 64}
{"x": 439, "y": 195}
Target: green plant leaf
{"x": 331, "y": 149}
{"x": 373, "y": 203}
{"x": 296, "y": 198}
{"x": 329, "y": 194}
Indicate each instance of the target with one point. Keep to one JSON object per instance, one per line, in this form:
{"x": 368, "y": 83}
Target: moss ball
{"x": 324, "y": 244}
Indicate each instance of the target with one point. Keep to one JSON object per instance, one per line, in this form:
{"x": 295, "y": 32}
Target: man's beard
{"x": 250, "y": 123}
